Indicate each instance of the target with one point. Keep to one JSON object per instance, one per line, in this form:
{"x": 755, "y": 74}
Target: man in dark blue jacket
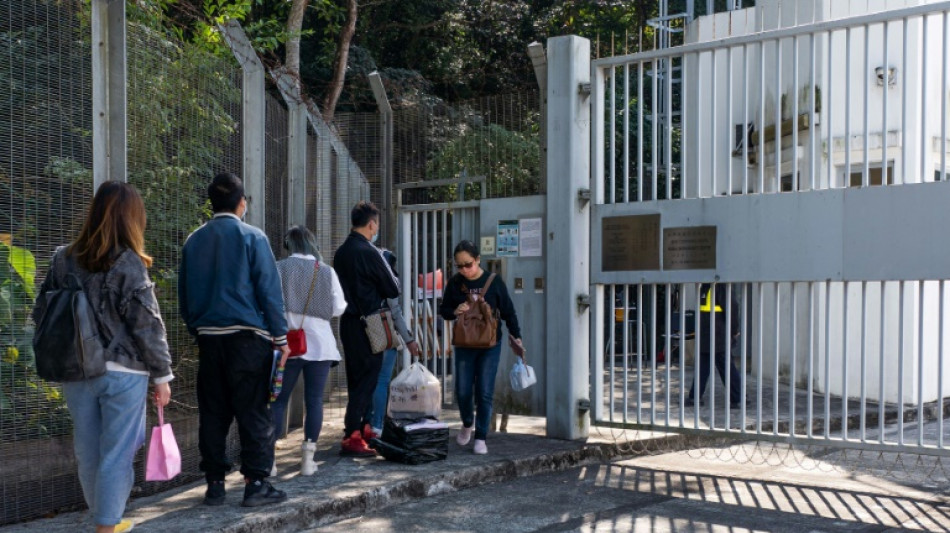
{"x": 230, "y": 298}
{"x": 367, "y": 282}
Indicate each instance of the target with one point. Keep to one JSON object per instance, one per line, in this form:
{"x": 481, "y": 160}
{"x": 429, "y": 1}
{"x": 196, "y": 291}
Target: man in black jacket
{"x": 713, "y": 305}
{"x": 367, "y": 282}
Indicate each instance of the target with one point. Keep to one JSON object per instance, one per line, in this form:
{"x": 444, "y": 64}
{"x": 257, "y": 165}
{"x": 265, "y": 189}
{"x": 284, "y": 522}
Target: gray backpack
{"x": 66, "y": 340}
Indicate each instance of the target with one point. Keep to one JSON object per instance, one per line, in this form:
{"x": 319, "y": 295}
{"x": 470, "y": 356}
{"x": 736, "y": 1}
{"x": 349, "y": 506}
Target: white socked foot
{"x": 308, "y": 466}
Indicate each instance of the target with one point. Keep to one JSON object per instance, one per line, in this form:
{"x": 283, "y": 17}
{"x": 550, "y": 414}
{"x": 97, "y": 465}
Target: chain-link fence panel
{"x": 45, "y": 114}
{"x": 494, "y": 142}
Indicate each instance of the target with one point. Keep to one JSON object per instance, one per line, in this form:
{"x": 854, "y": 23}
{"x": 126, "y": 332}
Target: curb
{"x": 294, "y": 517}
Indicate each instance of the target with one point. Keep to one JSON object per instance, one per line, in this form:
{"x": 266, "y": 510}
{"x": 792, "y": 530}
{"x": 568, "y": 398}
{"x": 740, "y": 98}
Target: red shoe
{"x": 355, "y": 446}
{"x": 368, "y": 433}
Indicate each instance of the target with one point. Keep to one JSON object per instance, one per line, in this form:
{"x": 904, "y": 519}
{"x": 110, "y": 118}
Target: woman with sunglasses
{"x": 475, "y": 368}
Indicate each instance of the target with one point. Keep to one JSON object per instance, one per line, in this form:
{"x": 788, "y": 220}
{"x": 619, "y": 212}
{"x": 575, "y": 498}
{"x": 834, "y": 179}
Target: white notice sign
{"x": 488, "y": 246}
{"x": 531, "y": 237}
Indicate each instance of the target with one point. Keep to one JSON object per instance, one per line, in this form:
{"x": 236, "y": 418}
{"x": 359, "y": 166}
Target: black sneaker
{"x": 260, "y": 492}
{"x": 215, "y": 493}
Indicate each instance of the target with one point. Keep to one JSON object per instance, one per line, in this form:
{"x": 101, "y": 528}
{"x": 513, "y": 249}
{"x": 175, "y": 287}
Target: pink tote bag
{"x": 164, "y": 460}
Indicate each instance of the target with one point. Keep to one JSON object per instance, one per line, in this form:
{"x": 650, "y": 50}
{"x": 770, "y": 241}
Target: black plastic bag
{"x": 403, "y": 441}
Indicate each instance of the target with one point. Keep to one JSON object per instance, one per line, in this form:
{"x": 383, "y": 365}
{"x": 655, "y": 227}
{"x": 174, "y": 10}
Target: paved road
{"x": 743, "y": 487}
{"x": 590, "y": 499}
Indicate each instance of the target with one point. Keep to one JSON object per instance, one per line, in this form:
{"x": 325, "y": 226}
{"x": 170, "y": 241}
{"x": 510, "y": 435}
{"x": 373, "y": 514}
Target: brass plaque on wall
{"x": 689, "y": 248}
{"x": 631, "y": 243}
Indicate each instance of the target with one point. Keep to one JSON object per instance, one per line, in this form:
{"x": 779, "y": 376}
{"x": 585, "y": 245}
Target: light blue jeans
{"x": 381, "y": 394}
{"x": 475, "y": 370}
{"x": 108, "y": 415}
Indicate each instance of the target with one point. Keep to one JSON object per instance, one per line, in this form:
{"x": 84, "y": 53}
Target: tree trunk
{"x": 294, "y": 27}
{"x": 339, "y": 62}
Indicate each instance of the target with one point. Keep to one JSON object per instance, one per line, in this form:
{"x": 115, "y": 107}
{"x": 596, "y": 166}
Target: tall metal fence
{"x": 184, "y": 113}
{"x": 498, "y": 138}
{"x": 184, "y": 125}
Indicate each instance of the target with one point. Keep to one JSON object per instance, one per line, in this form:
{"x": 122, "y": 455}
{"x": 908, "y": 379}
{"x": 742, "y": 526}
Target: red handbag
{"x": 297, "y": 338}
{"x": 297, "y": 342}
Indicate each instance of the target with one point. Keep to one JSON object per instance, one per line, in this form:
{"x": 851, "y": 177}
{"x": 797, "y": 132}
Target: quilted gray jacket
{"x": 126, "y": 308}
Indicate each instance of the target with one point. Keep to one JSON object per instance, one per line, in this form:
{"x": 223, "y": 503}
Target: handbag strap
{"x": 313, "y": 282}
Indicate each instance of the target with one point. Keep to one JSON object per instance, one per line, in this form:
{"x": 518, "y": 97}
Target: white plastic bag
{"x": 522, "y": 376}
{"x": 415, "y": 393}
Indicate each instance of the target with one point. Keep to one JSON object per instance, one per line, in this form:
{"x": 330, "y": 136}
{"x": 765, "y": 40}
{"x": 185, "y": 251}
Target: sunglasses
{"x": 463, "y": 266}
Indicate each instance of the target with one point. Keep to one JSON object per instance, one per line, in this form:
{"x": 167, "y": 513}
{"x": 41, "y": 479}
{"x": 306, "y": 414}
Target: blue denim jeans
{"x": 475, "y": 370}
{"x": 108, "y": 415}
{"x": 381, "y": 395}
{"x": 314, "y": 380}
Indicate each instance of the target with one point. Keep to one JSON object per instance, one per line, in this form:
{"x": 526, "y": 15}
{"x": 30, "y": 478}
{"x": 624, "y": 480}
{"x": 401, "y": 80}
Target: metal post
{"x": 386, "y": 157}
{"x": 253, "y": 119}
{"x": 568, "y": 326}
{"x": 296, "y": 147}
{"x": 109, "y": 146}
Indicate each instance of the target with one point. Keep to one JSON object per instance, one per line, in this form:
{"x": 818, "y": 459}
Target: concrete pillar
{"x": 568, "y": 247}
{"x": 109, "y": 144}
{"x": 252, "y": 120}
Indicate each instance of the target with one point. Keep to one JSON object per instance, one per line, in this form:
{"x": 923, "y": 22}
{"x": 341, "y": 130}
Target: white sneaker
{"x": 480, "y": 447}
{"x": 465, "y": 435}
{"x": 273, "y": 469}
{"x": 308, "y": 466}
{"x": 281, "y": 444}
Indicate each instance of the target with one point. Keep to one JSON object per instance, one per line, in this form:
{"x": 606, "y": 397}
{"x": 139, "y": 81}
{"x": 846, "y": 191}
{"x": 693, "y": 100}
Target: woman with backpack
{"x": 108, "y": 410}
{"x": 477, "y": 363}
{"x": 312, "y": 296}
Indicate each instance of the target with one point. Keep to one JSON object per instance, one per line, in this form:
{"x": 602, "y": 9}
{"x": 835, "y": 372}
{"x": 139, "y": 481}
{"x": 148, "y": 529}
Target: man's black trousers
{"x": 362, "y": 371}
{"x": 234, "y": 374}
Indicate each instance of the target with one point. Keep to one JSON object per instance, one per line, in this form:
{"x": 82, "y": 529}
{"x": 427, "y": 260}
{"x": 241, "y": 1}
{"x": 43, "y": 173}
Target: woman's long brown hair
{"x": 116, "y": 219}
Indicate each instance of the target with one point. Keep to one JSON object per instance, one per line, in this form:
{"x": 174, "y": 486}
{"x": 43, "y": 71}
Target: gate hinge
{"x": 583, "y": 89}
{"x": 583, "y": 302}
{"x": 583, "y": 405}
{"x": 583, "y": 197}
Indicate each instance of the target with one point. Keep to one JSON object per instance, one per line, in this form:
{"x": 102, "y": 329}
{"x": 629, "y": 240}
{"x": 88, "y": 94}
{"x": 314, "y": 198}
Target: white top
{"x": 321, "y": 344}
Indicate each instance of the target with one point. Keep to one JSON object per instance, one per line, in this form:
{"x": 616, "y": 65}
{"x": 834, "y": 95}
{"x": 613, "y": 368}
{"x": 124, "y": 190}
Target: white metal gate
{"x": 427, "y": 235}
{"x": 804, "y": 168}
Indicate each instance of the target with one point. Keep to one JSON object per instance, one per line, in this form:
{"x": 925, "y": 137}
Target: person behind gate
{"x": 229, "y": 296}
{"x": 712, "y": 307}
{"x": 367, "y": 282}
{"x": 108, "y": 411}
{"x": 313, "y": 296}
{"x": 377, "y": 409}
{"x": 475, "y": 368}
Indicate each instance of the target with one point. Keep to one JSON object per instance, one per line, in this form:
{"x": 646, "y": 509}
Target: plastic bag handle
{"x": 161, "y": 415}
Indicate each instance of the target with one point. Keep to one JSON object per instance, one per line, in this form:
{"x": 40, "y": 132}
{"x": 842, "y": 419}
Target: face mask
{"x": 375, "y": 238}
{"x": 244, "y": 215}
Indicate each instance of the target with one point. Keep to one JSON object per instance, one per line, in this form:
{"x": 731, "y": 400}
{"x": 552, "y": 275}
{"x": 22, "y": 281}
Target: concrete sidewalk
{"x": 348, "y": 487}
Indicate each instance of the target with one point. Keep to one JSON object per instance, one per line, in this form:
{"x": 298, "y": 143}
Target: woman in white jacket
{"x": 312, "y": 296}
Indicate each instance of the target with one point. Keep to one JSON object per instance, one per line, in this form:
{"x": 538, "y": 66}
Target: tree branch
{"x": 339, "y": 62}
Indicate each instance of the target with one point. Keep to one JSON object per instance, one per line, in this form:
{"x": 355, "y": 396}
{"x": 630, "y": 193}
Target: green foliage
{"x": 17, "y": 279}
{"x": 29, "y": 407}
{"x": 508, "y": 159}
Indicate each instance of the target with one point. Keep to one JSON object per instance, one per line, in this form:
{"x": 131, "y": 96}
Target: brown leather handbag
{"x": 477, "y": 327}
